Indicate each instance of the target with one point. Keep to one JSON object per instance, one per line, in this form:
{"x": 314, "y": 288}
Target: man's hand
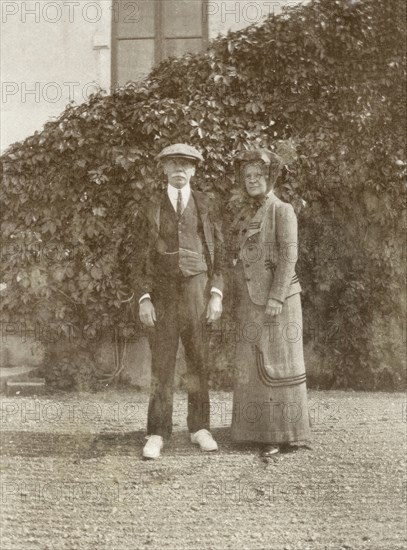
{"x": 273, "y": 307}
{"x": 147, "y": 312}
{"x": 214, "y": 310}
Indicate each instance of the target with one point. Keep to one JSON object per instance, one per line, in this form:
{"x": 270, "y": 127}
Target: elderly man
{"x": 180, "y": 290}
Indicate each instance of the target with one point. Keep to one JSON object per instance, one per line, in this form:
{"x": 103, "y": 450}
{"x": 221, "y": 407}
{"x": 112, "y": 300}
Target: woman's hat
{"x": 258, "y": 155}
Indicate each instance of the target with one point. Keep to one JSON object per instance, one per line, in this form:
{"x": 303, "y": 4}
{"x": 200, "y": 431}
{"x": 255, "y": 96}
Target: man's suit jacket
{"x": 268, "y": 250}
{"x": 148, "y": 236}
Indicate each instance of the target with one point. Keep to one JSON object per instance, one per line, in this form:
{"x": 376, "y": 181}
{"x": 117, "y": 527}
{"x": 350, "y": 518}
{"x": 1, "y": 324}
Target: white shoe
{"x": 153, "y": 446}
{"x": 270, "y": 450}
{"x": 204, "y": 439}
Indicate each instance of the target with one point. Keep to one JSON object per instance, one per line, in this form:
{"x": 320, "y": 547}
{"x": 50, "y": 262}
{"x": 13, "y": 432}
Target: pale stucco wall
{"x": 52, "y": 52}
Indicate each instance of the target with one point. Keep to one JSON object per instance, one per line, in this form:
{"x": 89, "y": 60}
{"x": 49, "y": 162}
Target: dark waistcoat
{"x": 180, "y": 242}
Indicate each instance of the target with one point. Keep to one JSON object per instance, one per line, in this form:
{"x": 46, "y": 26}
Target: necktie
{"x": 180, "y": 206}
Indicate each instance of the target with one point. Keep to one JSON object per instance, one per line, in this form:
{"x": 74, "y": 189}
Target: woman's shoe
{"x": 270, "y": 450}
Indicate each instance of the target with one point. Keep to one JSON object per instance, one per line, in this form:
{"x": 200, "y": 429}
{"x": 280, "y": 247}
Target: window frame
{"x": 159, "y": 38}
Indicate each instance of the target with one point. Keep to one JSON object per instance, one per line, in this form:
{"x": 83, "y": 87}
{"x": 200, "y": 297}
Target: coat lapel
{"x": 201, "y": 202}
{"x": 254, "y": 224}
{"x": 153, "y": 216}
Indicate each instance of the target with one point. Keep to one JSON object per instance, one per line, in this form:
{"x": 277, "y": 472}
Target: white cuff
{"x": 217, "y": 291}
{"x": 144, "y": 297}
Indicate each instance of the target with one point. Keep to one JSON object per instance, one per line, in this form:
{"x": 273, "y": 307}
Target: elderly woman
{"x": 270, "y": 395}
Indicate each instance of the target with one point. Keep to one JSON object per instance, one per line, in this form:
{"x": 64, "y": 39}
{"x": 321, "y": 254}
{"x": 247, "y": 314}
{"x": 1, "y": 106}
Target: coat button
{"x": 247, "y": 265}
{"x": 247, "y": 278}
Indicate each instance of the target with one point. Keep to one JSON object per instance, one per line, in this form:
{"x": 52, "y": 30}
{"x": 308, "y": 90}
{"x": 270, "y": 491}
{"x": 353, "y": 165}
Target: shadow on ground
{"x": 87, "y": 446}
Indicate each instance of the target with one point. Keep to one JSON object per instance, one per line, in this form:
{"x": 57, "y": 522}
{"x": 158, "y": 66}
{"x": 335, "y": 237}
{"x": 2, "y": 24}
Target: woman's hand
{"x": 273, "y": 307}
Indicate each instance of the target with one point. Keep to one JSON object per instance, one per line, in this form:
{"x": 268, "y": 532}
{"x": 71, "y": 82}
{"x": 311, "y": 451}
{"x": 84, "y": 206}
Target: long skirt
{"x": 270, "y": 395}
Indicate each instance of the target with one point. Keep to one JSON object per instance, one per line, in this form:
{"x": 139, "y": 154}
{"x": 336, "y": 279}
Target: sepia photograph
{"x": 203, "y": 275}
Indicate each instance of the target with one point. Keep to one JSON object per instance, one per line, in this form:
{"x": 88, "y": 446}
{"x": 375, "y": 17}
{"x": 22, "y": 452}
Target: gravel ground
{"x": 73, "y": 478}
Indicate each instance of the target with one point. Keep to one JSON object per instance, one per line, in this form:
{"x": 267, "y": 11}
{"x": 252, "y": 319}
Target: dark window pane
{"x": 182, "y": 18}
{"x": 179, "y": 46}
{"x": 134, "y": 18}
{"x": 135, "y": 59}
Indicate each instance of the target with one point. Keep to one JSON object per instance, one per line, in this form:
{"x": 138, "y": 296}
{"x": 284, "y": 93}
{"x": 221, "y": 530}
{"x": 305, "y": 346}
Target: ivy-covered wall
{"x": 325, "y": 87}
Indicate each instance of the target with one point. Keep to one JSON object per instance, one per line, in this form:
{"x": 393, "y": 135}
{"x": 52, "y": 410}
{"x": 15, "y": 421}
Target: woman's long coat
{"x": 270, "y": 399}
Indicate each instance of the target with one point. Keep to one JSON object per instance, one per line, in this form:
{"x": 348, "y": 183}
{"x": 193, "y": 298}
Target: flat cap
{"x": 180, "y": 150}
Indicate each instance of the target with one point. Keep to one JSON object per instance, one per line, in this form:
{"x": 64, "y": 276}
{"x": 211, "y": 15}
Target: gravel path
{"x": 72, "y": 478}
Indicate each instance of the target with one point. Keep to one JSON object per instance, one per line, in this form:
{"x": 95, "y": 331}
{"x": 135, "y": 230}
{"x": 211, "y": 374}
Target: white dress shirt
{"x": 172, "y": 193}
{"x": 173, "y": 196}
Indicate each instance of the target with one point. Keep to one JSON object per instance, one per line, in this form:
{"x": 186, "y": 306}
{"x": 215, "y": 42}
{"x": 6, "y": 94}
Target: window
{"x": 147, "y": 31}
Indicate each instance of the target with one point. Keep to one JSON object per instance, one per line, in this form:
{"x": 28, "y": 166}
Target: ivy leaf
{"x": 96, "y": 272}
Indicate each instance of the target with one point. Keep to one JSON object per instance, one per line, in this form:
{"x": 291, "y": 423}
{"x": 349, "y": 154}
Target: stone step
{"x": 32, "y": 386}
{"x": 14, "y": 374}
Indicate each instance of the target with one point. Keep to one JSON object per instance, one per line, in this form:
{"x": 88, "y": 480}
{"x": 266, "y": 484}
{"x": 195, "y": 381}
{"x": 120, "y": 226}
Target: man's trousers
{"x": 180, "y": 307}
